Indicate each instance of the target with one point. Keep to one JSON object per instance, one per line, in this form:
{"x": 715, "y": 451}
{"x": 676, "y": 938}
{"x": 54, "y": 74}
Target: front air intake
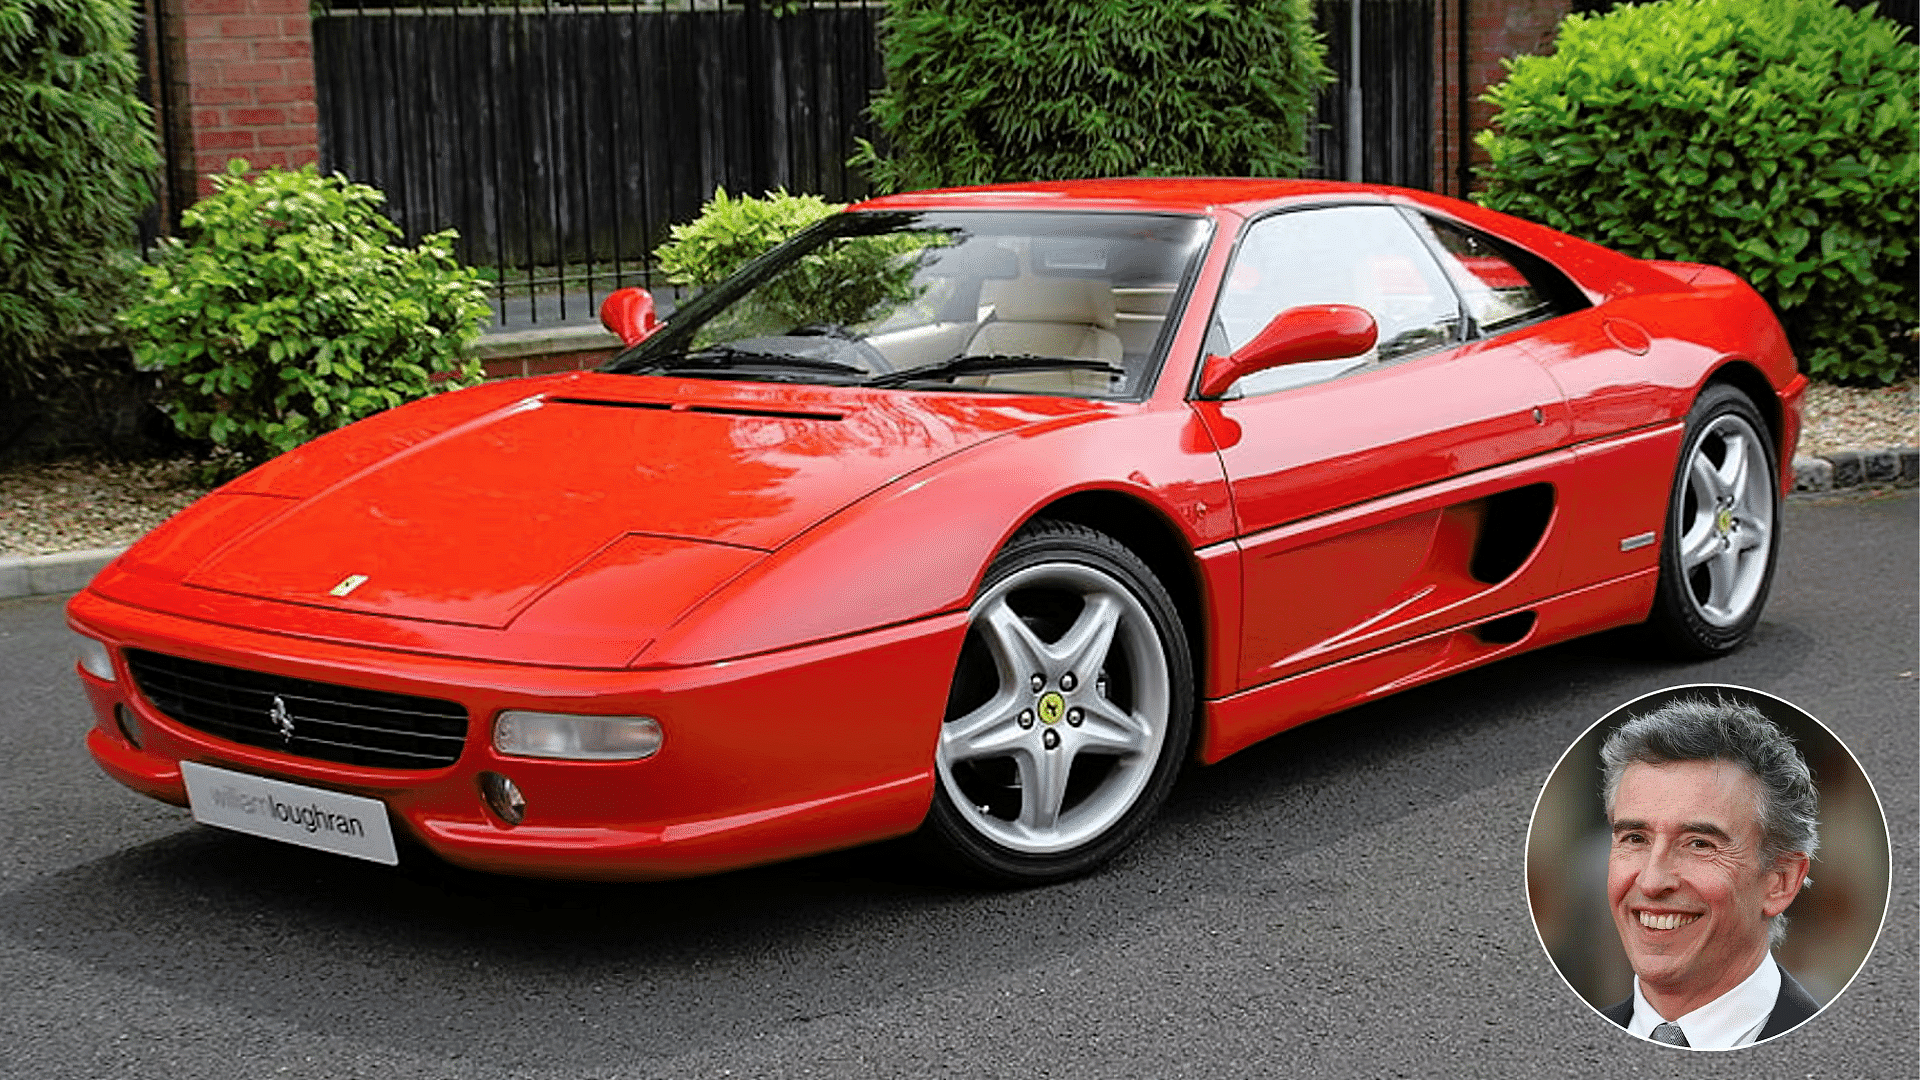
{"x": 344, "y": 724}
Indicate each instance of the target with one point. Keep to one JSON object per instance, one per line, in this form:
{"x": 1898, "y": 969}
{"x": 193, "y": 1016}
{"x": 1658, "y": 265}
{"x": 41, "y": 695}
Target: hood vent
{"x": 659, "y": 405}
{"x": 772, "y": 414}
{"x": 718, "y": 410}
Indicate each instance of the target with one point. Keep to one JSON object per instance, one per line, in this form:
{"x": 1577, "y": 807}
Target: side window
{"x": 1367, "y": 256}
{"x": 1502, "y": 288}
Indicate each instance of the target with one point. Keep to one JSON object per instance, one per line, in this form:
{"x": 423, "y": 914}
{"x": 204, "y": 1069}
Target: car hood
{"x": 576, "y": 503}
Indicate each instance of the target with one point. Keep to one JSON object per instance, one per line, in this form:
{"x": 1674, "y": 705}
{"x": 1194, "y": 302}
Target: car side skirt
{"x": 1239, "y": 720}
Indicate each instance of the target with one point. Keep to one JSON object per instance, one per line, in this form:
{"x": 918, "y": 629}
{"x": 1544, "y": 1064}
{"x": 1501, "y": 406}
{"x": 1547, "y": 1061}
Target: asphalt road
{"x": 1344, "y": 900}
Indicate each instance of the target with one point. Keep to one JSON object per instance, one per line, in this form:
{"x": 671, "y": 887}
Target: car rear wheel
{"x": 1069, "y": 712}
{"x": 1716, "y": 560}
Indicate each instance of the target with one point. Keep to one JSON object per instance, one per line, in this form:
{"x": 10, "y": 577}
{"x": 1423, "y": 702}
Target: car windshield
{"x": 1011, "y": 301}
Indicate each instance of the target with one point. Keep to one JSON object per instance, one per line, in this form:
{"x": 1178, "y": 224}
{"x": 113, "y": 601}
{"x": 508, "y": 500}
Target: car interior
{"x": 1027, "y": 300}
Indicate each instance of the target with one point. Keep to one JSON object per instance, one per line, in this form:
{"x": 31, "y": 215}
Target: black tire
{"x": 1721, "y": 536}
{"x": 1097, "y": 734}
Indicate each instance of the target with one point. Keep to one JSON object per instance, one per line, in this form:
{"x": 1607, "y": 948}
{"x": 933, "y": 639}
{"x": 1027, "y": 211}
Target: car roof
{"x": 1598, "y": 271}
{"x": 1165, "y": 194}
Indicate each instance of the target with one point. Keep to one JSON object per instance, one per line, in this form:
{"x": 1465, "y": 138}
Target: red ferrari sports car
{"x": 974, "y": 513}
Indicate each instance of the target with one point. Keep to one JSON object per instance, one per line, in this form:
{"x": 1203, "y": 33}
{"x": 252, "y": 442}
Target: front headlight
{"x": 94, "y": 659}
{"x": 578, "y": 738}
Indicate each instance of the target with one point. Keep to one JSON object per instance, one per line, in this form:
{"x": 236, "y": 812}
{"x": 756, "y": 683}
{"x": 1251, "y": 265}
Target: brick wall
{"x": 240, "y": 84}
{"x": 1495, "y": 29}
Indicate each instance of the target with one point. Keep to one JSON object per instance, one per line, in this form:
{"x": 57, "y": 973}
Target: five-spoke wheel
{"x": 1069, "y": 711}
{"x": 1717, "y": 557}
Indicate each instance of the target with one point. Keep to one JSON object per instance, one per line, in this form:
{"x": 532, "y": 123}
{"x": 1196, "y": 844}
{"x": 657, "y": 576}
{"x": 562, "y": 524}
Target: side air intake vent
{"x": 1506, "y": 629}
{"x": 1515, "y": 522}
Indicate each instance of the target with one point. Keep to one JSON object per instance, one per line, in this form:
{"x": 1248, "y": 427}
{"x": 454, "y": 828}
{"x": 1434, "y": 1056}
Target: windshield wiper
{"x": 718, "y": 357}
{"x": 995, "y": 362}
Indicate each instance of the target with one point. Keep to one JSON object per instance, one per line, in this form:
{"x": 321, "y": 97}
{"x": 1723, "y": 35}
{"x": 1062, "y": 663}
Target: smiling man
{"x": 1714, "y": 820}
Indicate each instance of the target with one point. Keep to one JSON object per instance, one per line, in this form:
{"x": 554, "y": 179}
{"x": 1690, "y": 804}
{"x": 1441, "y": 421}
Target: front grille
{"x": 332, "y": 723}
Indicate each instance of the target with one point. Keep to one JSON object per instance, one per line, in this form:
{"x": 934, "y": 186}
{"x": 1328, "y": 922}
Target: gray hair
{"x": 1701, "y": 729}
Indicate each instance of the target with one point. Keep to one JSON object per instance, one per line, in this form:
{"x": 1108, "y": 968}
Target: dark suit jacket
{"x": 1793, "y": 1007}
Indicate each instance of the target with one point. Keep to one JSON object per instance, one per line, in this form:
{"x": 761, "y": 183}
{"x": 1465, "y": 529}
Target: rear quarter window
{"x": 1502, "y": 286}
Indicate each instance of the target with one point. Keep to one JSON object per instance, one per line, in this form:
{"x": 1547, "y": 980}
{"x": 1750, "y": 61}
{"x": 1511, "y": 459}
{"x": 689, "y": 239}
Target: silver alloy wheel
{"x": 1068, "y": 738}
{"x": 1724, "y": 523}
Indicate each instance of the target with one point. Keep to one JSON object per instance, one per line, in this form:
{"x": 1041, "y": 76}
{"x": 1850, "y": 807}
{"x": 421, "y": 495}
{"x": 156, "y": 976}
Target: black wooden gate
{"x": 562, "y": 141}
{"x": 1396, "y": 83}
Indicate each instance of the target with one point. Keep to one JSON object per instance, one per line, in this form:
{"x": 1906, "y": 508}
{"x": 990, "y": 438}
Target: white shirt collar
{"x": 1732, "y": 1019}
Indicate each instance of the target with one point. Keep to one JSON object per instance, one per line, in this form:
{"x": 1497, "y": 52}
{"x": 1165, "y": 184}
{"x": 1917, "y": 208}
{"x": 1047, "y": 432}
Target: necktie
{"x": 1670, "y": 1034}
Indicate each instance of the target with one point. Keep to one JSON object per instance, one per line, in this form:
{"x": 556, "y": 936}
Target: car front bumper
{"x": 767, "y": 757}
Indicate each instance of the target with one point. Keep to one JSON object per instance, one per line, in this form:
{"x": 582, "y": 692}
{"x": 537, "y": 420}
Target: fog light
{"x": 579, "y": 738}
{"x": 95, "y": 660}
{"x": 503, "y": 798}
{"x": 129, "y": 727}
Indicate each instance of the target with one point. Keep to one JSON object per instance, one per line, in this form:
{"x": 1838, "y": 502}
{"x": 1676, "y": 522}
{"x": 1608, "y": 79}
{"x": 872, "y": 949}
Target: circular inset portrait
{"x": 1708, "y": 867}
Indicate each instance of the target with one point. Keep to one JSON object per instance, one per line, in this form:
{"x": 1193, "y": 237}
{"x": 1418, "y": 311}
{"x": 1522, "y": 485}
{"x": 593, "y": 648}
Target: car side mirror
{"x": 1295, "y": 336}
{"x": 629, "y": 313}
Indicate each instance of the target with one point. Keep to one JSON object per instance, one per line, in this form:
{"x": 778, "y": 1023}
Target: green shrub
{"x": 1775, "y": 138}
{"x": 286, "y": 309}
{"x": 76, "y": 147}
{"x": 730, "y": 232}
{"x": 841, "y": 282}
{"x": 980, "y": 91}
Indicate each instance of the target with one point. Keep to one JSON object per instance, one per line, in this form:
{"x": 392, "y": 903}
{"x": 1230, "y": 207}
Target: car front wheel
{"x": 1069, "y": 713}
{"x": 1717, "y": 557}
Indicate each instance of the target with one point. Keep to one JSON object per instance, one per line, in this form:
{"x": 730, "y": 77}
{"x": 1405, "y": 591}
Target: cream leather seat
{"x": 1049, "y": 316}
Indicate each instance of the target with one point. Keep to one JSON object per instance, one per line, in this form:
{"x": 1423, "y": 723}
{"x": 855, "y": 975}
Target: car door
{"x": 1624, "y": 406}
{"x": 1389, "y": 495}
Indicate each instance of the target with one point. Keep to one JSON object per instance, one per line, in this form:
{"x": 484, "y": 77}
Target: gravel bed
{"x": 1842, "y": 418}
{"x": 74, "y": 505}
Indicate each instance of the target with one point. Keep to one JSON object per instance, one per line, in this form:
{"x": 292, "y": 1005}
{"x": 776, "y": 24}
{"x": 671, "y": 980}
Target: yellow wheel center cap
{"x": 1051, "y": 707}
{"x": 1723, "y": 521}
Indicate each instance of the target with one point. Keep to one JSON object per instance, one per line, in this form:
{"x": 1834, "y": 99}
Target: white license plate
{"x": 277, "y": 810}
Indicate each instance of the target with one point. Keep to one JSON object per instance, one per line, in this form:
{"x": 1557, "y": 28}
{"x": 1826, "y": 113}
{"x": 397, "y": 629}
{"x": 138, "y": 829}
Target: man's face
{"x": 1689, "y": 893}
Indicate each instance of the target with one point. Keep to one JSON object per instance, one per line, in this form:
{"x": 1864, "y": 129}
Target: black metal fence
{"x": 157, "y": 219}
{"x": 562, "y": 140}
